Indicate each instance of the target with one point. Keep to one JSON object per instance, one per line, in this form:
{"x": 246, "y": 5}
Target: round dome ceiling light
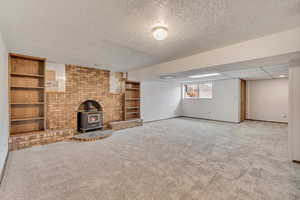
{"x": 160, "y": 33}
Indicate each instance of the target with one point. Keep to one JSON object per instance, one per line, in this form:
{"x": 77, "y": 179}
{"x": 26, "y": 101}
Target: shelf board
{"x": 28, "y": 103}
{"x": 27, "y": 75}
{"x": 132, "y": 82}
{"x": 130, "y": 113}
{"x": 27, "y": 57}
{"x": 27, "y": 119}
{"x": 132, "y": 99}
{"x": 133, "y": 89}
{"x": 132, "y": 118}
{"x": 26, "y": 87}
{"x": 137, "y": 107}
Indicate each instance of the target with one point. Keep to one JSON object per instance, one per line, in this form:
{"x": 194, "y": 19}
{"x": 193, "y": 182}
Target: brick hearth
{"x": 22, "y": 141}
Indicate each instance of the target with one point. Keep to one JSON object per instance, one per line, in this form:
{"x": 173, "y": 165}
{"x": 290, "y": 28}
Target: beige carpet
{"x": 178, "y": 159}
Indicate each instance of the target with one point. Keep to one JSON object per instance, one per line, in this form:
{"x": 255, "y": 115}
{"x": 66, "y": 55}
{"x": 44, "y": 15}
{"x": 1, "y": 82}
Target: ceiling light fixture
{"x": 160, "y": 32}
{"x": 204, "y": 75}
{"x": 282, "y": 76}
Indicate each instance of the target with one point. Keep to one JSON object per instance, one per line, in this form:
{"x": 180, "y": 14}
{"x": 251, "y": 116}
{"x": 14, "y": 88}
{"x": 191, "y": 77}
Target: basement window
{"x": 205, "y": 90}
{"x": 191, "y": 91}
{"x": 198, "y": 91}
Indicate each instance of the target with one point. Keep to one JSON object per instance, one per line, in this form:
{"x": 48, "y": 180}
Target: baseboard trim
{"x": 211, "y": 119}
{"x": 161, "y": 119}
{"x": 4, "y": 168}
{"x": 215, "y": 120}
{"x": 267, "y": 121}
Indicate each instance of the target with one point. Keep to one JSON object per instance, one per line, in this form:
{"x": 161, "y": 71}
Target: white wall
{"x": 224, "y": 106}
{"x": 294, "y": 111}
{"x": 160, "y": 100}
{"x": 4, "y": 125}
{"x": 267, "y": 100}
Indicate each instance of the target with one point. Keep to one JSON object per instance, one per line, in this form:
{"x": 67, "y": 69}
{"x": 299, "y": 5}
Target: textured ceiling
{"x": 268, "y": 72}
{"x": 116, "y": 34}
{"x": 245, "y": 73}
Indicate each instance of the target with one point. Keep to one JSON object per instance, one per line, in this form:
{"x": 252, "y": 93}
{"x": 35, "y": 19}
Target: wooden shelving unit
{"x": 26, "y": 87}
{"x": 27, "y": 94}
{"x": 32, "y": 103}
{"x": 27, "y": 119}
{"x": 27, "y": 75}
{"x": 132, "y": 100}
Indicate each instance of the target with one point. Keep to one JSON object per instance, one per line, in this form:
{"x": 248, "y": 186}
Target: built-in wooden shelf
{"x": 27, "y": 94}
{"x": 27, "y": 75}
{"x": 132, "y": 100}
{"x": 26, "y": 57}
{"x": 31, "y": 103}
{"x": 26, "y": 87}
{"x": 132, "y": 82}
{"x": 132, "y": 118}
{"x": 135, "y": 107}
{"x": 130, "y": 113}
{"x": 27, "y": 119}
{"x": 132, "y": 88}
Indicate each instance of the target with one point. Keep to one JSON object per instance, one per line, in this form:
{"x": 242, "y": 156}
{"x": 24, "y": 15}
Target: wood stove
{"x": 90, "y": 116}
